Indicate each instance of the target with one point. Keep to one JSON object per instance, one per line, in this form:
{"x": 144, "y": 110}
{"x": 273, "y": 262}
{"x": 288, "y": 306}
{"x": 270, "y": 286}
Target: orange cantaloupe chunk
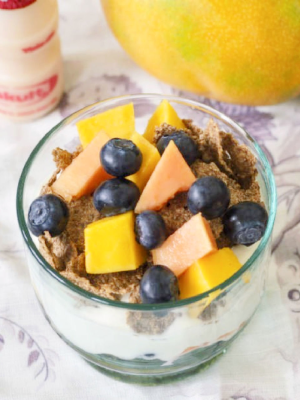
{"x": 170, "y": 176}
{"x": 185, "y": 246}
{"x": 85, "y": 172}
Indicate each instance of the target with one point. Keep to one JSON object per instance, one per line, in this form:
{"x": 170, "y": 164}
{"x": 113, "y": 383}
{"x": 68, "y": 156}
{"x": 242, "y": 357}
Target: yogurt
{"x": 100, "y": 329}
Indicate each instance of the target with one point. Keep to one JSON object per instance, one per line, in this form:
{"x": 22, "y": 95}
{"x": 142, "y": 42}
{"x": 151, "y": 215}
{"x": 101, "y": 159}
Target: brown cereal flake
{"x": 166, "y": 129}
{"x": 175, "y": 213}
{"x": 77, "y": 265}
{"x": 119, "y": 282}
{"x": 45, "y": 247}
{"x": 82, "y": 213}
{"x": 64, "y": 158}
{"x": 148, "y": 323}
{"x": 85, "y": 284}
{"x": 232, "y": 158}
{"x": 67, "y": 247}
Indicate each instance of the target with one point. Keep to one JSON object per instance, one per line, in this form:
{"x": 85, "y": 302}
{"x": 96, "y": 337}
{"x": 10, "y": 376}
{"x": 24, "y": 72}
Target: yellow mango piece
{"x": 110, "y": 245}
{"x": 151, "y": 157}
{"x": 164, "y": 113}
{"x": 208, "y": 272}
{"x": 117, "y": 122}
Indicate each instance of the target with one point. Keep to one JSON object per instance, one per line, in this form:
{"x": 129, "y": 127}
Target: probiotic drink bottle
{"x": 31, "y": 77}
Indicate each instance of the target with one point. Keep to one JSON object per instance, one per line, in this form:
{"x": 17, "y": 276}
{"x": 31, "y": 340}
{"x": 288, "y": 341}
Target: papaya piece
{"x": 85, "y": 172}
{"x": 193, "y": 240}
{"x": 171, "y": 175}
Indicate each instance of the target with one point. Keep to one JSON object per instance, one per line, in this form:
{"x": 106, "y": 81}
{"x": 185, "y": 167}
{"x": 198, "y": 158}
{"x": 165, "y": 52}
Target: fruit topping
{"x": 245, "y": 223}
{"x": 85, "y": 172}
{"x": 210, "y": 196}
{"x": 171, "y": 175}
{"x": 120, "y": 174}
{"x": 117, "y": 122}
{"x": 150, "y": 229}
{"x": 164, "y": 113}
{"x": 185, "y": 246}
{"x": 116, "y": 196}
{"x": 48, "y": 213}
{"x": 121, "y": 157}
{"x": 110, "y": 245}
{"x": 159, "y": 285}
{"x": 151, "y": 157}
{"x": 208, "y": 272}
{"x": 186, "y": 145}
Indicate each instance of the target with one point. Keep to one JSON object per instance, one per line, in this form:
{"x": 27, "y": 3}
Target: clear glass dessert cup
{"x": 140, "y": 342}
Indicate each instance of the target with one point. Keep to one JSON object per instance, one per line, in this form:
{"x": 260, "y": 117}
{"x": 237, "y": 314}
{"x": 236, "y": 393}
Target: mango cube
{"x": 151, "y": 157}
{"x": 110, "y": 245}
{"x": 164, "y": 113}
{"x": 208, "y": 272}
{"x": 116, "y": 122}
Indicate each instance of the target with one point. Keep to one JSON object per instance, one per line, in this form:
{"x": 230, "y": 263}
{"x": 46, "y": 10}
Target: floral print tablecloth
{"x": 263, "y": 364}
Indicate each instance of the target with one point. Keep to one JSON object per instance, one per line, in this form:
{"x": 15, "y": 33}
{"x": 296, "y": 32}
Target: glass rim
{"x": 271, "y": 189}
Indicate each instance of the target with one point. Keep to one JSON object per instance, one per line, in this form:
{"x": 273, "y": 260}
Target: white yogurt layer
{"x": 101, "y": 329}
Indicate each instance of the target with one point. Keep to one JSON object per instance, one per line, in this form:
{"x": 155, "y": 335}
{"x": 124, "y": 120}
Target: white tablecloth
{"x": 264, "y": 362}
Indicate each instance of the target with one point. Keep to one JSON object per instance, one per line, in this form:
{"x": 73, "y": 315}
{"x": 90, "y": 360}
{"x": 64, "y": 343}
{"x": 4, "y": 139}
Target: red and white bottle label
{"x": 37, "y": 46}
{"x": 29, "y": 102}
{"x": 29, "y": 95}
{"x": 14, "y": 4}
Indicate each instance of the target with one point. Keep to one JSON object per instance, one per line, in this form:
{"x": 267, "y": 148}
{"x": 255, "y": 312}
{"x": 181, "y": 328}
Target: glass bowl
{"x": 142, "y": 342}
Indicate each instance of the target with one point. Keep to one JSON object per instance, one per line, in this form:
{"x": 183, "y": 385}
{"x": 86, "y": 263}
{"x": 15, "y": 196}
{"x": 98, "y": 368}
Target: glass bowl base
{"x": 152, "y": 372}
{"x": 137, "y": 371}
{"x": 154, "y": 380}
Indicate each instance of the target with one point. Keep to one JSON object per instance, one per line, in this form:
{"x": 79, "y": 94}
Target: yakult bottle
{"x": 31, "y": 78}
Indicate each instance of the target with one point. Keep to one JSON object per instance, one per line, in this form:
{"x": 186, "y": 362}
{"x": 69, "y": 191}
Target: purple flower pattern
{"x": 36, "y": 354}
{"x": 95, "y": 89}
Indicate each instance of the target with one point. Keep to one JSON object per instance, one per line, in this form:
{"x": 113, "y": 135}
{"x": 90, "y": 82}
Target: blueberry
{"x": 186, "y": 145}
{"x": 294, "y": 294}
{"x": 245, "y": 223}
{"x": 116, "y": 196}
{"x": 210, "y": 196}
{"x": 159, "y": 285}
{"x": 48, "y": 213}
{"x": 150, "y": 229}
{"x": 121, "y": 157}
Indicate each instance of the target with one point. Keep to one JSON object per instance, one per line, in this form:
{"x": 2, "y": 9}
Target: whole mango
{"x": 237, "y": 51}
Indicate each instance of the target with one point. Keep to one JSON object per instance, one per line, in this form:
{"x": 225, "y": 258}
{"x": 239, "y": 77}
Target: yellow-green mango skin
{"x": 237, "y": 51}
